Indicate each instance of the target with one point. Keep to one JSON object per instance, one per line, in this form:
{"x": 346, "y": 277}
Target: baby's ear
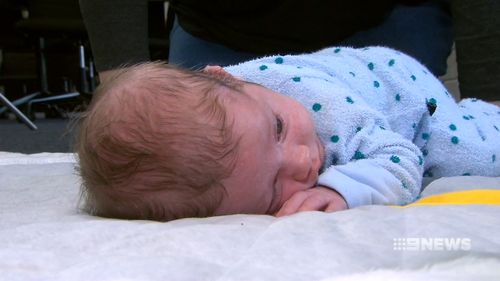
{"x": 218, "y": 71}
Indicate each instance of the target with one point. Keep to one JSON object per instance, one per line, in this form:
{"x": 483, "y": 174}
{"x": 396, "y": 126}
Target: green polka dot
{"x": 420, "y": 160}
{"x": 316, "y": 107}
{"x": 466, "y": 117}
{"x": 493, "y": 158}
{"x": 496, "y": 128}
{"x": 278, "y": 60}
{"x": 335, "y": 138}
{"x": 432, "y": 101}
{"x": 376, "y": 84}
{"x": 452, "y": 127}
{"x": 382, "y": 127}
{"x": 414, "y": 125}
{"x": 391, "y": 62}
{"x": 263, "y": 67}
{"x": 358, "y": 129}
{"x": 397, "y": 97}
{"x": 359, "y": 155}
{"x": 395, "y": 159}
{"x": 454, "y": 140}
{"x": 352, "y": 73}
{"x": 425, "y": 152}
{"x": 371, "y": 66}
{"x": 426, "y": 136}
{"x": 296, "y": 79}
{"x": 413, "y": 77}
{"x": 471, "y": 117}
{"x": 336, "y": 50}
{"x": 349, "y": 100}
{"x": 334, "y": 160}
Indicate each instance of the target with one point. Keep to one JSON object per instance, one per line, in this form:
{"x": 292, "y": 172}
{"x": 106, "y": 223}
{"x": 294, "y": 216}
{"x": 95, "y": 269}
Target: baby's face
{"x": 279, "y": 152}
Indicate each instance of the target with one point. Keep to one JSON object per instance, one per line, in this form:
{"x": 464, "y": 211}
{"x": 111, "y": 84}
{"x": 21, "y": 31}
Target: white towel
{"x": 372, "y": 109}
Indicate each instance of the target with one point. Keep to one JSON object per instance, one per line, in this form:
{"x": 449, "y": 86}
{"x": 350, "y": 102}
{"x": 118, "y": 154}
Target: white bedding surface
{"x": 43, "y": 236}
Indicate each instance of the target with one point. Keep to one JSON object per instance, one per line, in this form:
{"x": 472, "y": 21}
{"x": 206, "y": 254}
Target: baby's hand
{"x": 318, "y": 198}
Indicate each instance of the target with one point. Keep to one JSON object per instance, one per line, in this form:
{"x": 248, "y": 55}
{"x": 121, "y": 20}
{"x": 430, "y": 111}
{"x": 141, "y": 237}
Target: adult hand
{"x": 318, "y": 198}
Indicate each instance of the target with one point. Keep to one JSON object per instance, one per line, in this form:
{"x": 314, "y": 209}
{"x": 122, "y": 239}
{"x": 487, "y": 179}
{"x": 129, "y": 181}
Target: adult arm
{"x": 118, "y": 31}
{"x": 477, "y": 40}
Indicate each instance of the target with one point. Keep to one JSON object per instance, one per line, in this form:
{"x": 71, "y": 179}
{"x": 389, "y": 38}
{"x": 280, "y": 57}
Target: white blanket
{"x": 43, "y": 236}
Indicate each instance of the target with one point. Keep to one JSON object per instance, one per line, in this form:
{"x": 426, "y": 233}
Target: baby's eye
{"x": 279, "y": 127}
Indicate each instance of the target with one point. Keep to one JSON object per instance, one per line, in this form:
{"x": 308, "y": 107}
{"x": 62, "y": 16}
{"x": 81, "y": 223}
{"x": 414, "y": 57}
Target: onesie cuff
{"x": 360, "y": 184}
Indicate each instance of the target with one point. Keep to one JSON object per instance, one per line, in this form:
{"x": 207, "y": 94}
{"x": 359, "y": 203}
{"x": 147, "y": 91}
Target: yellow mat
{"x": 477, "y": 196}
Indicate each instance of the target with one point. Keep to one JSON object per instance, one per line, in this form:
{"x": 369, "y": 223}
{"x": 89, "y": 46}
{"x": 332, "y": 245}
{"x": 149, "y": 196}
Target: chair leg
{"x": 87, "y": 70}
{"x": 42, "y": 66}
{"x": 92, "y": 79}
{"x": 66, "y": 96}
{"x": 17, "y": 112}
{"x": 42, "y": 79}
{"x": 84, "y": 85}
{"x": 20, "y": 101}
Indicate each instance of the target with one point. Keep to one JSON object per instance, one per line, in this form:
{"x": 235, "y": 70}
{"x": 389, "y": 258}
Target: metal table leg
{"x": 17, "y": 112}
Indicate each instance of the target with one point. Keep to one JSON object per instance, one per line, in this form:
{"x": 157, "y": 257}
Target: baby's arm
{"x": 318, "y": 198}
{"x": 385, "y": 168}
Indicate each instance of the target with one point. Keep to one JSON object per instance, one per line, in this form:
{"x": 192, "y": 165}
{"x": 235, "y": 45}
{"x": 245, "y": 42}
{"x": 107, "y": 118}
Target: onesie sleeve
{"x": 384, "y": 169}
{"x": 370, "y": 163}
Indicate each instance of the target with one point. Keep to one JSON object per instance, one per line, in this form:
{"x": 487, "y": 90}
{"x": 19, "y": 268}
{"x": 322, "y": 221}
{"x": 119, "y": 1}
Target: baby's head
{"x": 162, "y": 143}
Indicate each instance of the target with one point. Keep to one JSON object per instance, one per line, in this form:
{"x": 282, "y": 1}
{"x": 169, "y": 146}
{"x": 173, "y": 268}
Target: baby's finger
{"x": 313, "y": 203}
{"x": 292, "y": 205}
{"x": 333, "y": 207}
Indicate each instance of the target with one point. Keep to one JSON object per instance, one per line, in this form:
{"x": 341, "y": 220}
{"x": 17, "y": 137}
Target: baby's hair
{"x": 156, "y": 143}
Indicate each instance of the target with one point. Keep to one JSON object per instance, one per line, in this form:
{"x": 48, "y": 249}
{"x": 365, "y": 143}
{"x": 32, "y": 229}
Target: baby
{"x": 327, "y": 131}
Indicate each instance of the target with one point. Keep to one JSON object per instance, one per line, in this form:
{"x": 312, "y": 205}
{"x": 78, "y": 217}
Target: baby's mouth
{"x": 275, "y": 206}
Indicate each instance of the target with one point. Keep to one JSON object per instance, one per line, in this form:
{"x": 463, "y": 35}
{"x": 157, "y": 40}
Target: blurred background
{"x": 47, "y": 72}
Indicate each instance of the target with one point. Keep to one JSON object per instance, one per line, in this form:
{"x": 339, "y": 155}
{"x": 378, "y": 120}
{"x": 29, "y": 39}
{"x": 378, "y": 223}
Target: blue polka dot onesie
{"x": 388, "y": 125}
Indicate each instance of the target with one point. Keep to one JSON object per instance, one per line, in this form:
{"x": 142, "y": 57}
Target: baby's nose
{"x": 299, "y": 163}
